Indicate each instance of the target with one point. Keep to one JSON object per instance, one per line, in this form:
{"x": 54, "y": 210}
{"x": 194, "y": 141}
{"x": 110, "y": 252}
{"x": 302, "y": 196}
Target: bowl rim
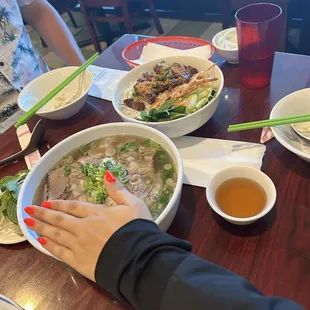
{"x": 240, "y": 220}
{"x": 176, "y": 156}
{"x": 32, "y": 83}
{"x": 282, "y": 141}
{"x": 221, "y": 48}
{"x": 130, "y": 119}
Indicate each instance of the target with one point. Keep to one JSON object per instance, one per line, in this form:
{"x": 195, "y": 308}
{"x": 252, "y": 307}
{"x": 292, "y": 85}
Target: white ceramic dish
{"x": 181, "y": 126}
{"x": 294, "y": 104}
{"x": 231, "y": 55}
{"x": 42, "y": 167}
{"x": 10, "y": 237}
{"x": 241, "y": 172}
{"x": 41, "y": 86}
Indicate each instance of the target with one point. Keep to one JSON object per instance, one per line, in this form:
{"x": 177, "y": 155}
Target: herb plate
{"x": 10, "y": 237}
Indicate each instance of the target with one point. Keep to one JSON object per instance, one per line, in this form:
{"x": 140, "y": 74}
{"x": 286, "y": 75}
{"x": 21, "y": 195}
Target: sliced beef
{"x": 161, "y": 68}
{"x": 57, "y": 184}
{"x": 131, "y": 103}
{"x": 190, "y": 70}
{"x": 147, "y": 76}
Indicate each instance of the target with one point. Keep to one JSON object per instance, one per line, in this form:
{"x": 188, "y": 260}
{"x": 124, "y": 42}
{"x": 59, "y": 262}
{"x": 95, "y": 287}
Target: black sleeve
{"x": 155, "y": 271}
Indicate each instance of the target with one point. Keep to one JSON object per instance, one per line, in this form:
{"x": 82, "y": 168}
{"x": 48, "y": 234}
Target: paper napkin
{"x": 104, "y": 82}
{"x": 157, "y": 51}
{"x": 202, "y": 158}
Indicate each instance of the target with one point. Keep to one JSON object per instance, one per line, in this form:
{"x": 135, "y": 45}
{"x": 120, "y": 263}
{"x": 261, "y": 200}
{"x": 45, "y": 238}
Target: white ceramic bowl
{"x": 231, "y": 55}
{"x": 42, "y": 85}
{"x": 294, "y": 104}
{"x": 42, "y": 167}
{"x": 241, "y": 172}
{"x": 181, "y": 126}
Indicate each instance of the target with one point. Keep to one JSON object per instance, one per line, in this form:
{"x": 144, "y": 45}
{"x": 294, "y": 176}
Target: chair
{"x": 228, "y": 6}
{"x": 91, "y": 16}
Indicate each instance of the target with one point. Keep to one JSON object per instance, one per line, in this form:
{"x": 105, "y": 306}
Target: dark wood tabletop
{"x": 273, "y": 253}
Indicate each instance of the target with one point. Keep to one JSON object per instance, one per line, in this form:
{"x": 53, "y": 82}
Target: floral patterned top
{"x": 19, "y": 60}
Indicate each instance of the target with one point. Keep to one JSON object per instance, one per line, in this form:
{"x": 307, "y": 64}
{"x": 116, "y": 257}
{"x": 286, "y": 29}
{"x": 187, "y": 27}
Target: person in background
{"x": 20, "y": 62}
{"x": 124, "y": 252}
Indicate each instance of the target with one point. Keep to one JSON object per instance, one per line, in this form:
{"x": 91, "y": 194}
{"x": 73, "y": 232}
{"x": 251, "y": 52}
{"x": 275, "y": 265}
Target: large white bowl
{"x": 42, "y": 85}
{"x": 181, "y": 126}
{"x": 42, "y": 167}
{"x": 294, "y": 104}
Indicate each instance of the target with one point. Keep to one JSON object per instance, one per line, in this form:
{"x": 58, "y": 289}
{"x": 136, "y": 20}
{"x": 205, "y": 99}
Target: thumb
{"x": 115, "y": 190}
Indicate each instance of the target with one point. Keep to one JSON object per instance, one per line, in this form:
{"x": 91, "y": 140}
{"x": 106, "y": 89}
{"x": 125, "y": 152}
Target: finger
{"x": 115, "y": 190}
{"x": 54, "y": 218}
{"x": 72, "y": 207}
{"x": 58, "y": 250}
{"x": 56, "y": 234}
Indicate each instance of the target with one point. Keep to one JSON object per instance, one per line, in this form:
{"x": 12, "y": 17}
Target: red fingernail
{"x": 29, "y": 221}
{"x": 110, "y": 176}
{"x": 29, "y": 210}
{"x": 46, "y": 204}
{"x": 42, "y": 240}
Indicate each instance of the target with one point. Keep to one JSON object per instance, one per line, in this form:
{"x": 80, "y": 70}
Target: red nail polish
{"x": 46, "y": 204}
{"x": 42, "y": 240}
{"x": 29, "y": 221}
{"x": 29, "y": 210}
{"x": 110, "y": 176}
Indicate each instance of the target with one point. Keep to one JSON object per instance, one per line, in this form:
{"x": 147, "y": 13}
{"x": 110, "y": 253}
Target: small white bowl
{"x": 296, "y": 103}
{"x": 241, "y": 172}
{"x": 42, "y": 85}
{"x": 230, "y": 55}
{"x": 178, "y": 127}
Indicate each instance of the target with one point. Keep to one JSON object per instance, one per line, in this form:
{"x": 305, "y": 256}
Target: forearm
{"x": 51, "y": 27}
{"x": 153, "y": 270}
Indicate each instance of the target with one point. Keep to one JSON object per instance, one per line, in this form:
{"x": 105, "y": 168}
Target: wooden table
{"x": 274, "y": 253}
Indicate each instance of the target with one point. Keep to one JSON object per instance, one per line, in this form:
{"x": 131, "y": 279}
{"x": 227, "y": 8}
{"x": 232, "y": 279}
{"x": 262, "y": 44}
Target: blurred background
{"x": 95, "y": 24}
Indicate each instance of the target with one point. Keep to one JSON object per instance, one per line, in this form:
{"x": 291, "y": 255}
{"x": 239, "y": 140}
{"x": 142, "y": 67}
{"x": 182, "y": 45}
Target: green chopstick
{"x": 270, "y": 123}
{"x": 24, "y": 118}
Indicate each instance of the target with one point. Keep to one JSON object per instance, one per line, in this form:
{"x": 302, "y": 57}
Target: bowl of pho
{"x": 66, "y": 103}
{"x": 175, "y": 95}
{"x": 142, "y": 158}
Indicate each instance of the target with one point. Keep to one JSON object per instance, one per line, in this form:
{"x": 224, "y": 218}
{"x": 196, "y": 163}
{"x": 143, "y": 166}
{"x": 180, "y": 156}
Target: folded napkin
{"x": 104, "y": 82}
{"x": 202, "y": 158}
{"x": 154, "y": 51}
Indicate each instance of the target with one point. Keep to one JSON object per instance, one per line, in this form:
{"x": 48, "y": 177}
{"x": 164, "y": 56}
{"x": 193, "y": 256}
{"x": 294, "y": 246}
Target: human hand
{"x": 76, "y": 232}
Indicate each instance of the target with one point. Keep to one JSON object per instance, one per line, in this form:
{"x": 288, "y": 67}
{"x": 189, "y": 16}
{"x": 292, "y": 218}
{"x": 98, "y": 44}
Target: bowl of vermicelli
{"x": 175, "y": 95}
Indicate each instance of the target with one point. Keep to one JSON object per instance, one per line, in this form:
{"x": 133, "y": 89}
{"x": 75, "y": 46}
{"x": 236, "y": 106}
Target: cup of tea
{"x": 257, "y": 29}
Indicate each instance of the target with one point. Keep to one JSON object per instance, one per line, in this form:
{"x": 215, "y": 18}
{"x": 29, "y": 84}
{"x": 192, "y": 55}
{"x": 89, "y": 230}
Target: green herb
{"x": 94, "y": 185}
{"x": 164, "y": 198}
{"x": 67, "y": 171}
{"x": 167, "y": 174}
{"x": 148, "y": 143}
{"x": 160, "y": 115}
{"x": 129, "y": 147}
{"x": 9, "y": 190}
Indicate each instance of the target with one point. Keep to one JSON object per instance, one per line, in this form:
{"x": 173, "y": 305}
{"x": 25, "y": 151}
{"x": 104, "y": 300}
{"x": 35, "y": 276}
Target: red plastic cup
{"x": 257, "y": 29}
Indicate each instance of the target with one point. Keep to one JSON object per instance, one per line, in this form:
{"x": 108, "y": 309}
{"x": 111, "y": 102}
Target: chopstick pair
{"x": 270, "y": 122}
{"x": 24, "y": 118}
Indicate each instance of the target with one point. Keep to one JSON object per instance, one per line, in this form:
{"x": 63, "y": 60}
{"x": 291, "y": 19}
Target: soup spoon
{"x": 34, "y": 143}
{"x": 302, "y": 129}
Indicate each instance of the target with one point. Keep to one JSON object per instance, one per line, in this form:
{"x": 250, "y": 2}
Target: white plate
{"x": 294, "y": 104}
{"x": 11, "y": 238}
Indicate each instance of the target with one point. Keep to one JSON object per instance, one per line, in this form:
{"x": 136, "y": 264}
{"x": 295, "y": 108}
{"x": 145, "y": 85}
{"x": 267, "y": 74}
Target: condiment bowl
{"x": 178, "y": 127}
{"x": 37, "y": 89}
{"x": 49, "y": 160}
{"x": 241, "y": 172}
{"x": 231, "y": 55}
